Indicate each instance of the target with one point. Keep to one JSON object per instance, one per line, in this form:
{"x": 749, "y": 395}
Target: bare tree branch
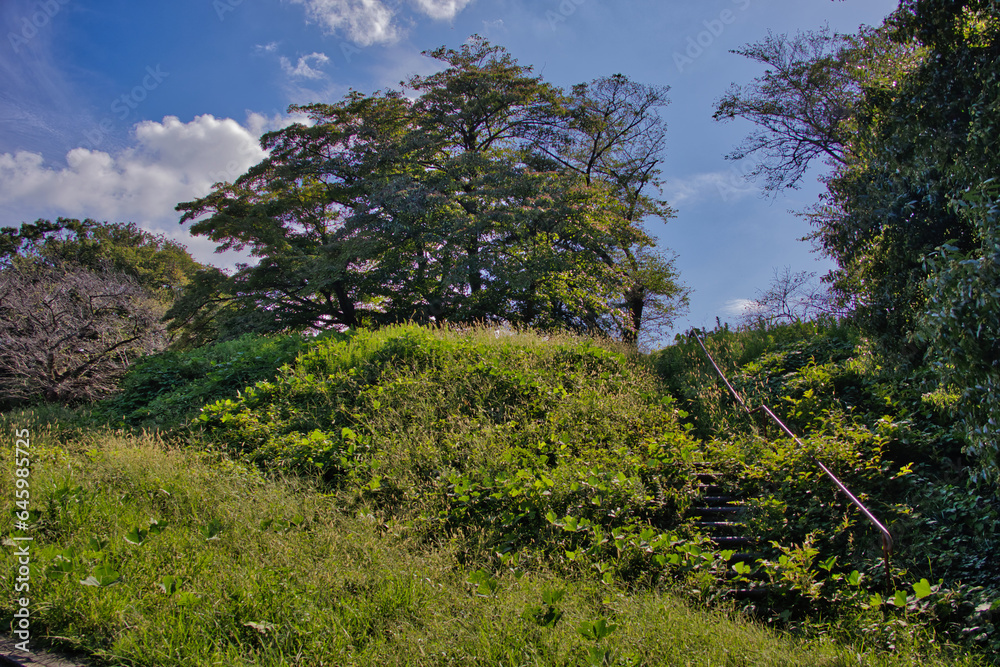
{"x": 791, "y": 297}
{"x": 67, "y": 333}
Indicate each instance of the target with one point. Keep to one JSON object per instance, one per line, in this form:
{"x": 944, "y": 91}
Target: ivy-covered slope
{"x": 891, "y": 436}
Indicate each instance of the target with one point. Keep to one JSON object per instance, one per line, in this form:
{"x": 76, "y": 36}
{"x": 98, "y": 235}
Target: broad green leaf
{"x": 137, "y": 536}
{"x": 169, "y": 584}
{"x": 103, "y": 575}
{"x": 922, "y": 589}
{"x": 211, "y": 530}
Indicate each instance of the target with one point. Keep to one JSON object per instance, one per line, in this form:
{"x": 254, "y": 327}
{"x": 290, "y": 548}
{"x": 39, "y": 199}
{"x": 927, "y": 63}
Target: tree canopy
{"x": 905, "y": 114}
{"x": 155, "y": 262}
{"x": 482, "y": 194}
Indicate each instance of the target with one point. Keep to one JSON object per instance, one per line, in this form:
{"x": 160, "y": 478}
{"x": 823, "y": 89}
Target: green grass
{"x": 320, "y": 586}
{"x": 426, "y": 496}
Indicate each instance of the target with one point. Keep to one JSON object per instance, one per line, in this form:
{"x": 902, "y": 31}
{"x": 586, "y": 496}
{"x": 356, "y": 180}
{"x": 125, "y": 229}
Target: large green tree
{"x": 463, "y": 200}
{"x": 910, "y": 155}
{"x": 614, "y": 138}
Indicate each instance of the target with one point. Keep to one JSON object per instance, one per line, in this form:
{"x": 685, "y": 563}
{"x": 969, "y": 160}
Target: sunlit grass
{"x": 414, "y": 496}
{"x": 318, "y": 586}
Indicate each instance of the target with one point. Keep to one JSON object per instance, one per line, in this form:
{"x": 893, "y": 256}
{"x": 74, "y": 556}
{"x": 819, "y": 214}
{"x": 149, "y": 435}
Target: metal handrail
{"x": 887, "y": 543}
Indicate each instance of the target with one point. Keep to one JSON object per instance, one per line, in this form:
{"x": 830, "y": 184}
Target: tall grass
{"x": 421, "y": 496}
{"x": 274, "y": 572}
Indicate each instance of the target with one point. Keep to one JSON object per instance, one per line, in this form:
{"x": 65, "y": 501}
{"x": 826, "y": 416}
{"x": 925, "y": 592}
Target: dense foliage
{"x": 497, "y": 457}
{"x": 917, "y": 147}
{"x": 920, "y": 189}
{"x": 905, "y": 115}
{"x": 486, "y": 194}
{"x": 961, "y": 326}
{"x": 892, "y": 439}
{"x": 492, "y": 431}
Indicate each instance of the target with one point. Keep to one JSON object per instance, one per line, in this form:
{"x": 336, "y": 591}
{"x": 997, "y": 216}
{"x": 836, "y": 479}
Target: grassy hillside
{"x": 423, "y": 497}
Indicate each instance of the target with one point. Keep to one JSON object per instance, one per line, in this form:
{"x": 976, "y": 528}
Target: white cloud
{"x": 441, "y": 9}
{"x": 738, "y": 307}
{"x": 168, "y": 162}
{"x": 302, "y": 69}
{"x": 728, "y": 186}
{"x": 270, "y": 47}
{"x": 365, "y": 22}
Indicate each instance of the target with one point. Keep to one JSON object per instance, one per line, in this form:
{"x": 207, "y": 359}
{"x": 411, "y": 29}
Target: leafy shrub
{"x": 474, "y": 432}
{"x": 887, "y": 433}
{"x": 166, "y": 389}
{"x": 961, "y": 326}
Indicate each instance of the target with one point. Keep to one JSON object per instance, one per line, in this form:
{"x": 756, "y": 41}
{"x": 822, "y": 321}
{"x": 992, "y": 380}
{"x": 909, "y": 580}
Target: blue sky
{"x": 118, "y": 110}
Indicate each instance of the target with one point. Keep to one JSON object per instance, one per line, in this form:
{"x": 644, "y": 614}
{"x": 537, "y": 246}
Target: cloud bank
{"x": 168, "y": 162}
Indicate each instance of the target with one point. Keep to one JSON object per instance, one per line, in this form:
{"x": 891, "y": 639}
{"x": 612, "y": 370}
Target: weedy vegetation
{"x": 422, "y": 496}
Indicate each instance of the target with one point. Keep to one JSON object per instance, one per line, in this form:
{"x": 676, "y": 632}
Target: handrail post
{"x": 887, "y": 543}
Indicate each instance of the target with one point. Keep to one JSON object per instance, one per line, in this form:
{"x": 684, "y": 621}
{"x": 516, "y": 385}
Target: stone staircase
{"x": 720, "y": 513}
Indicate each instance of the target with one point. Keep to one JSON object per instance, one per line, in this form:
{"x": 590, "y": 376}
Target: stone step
{"x": 733, "y": 541}
{"x": 715, "y": 510}
{"x": 748, "y": 557}
{"x": 720, "y": 500}
{"x": 718, "y": 525}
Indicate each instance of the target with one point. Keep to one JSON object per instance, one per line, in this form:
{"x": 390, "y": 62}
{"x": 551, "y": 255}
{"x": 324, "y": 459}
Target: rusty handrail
{"x": 887, "y": 543}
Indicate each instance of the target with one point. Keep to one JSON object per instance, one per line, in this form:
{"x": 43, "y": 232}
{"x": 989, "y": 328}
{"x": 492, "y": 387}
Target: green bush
{"x": 509, "y": 436}
{"x": 887, "y": 433}
{"x": 166, "y": 389}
